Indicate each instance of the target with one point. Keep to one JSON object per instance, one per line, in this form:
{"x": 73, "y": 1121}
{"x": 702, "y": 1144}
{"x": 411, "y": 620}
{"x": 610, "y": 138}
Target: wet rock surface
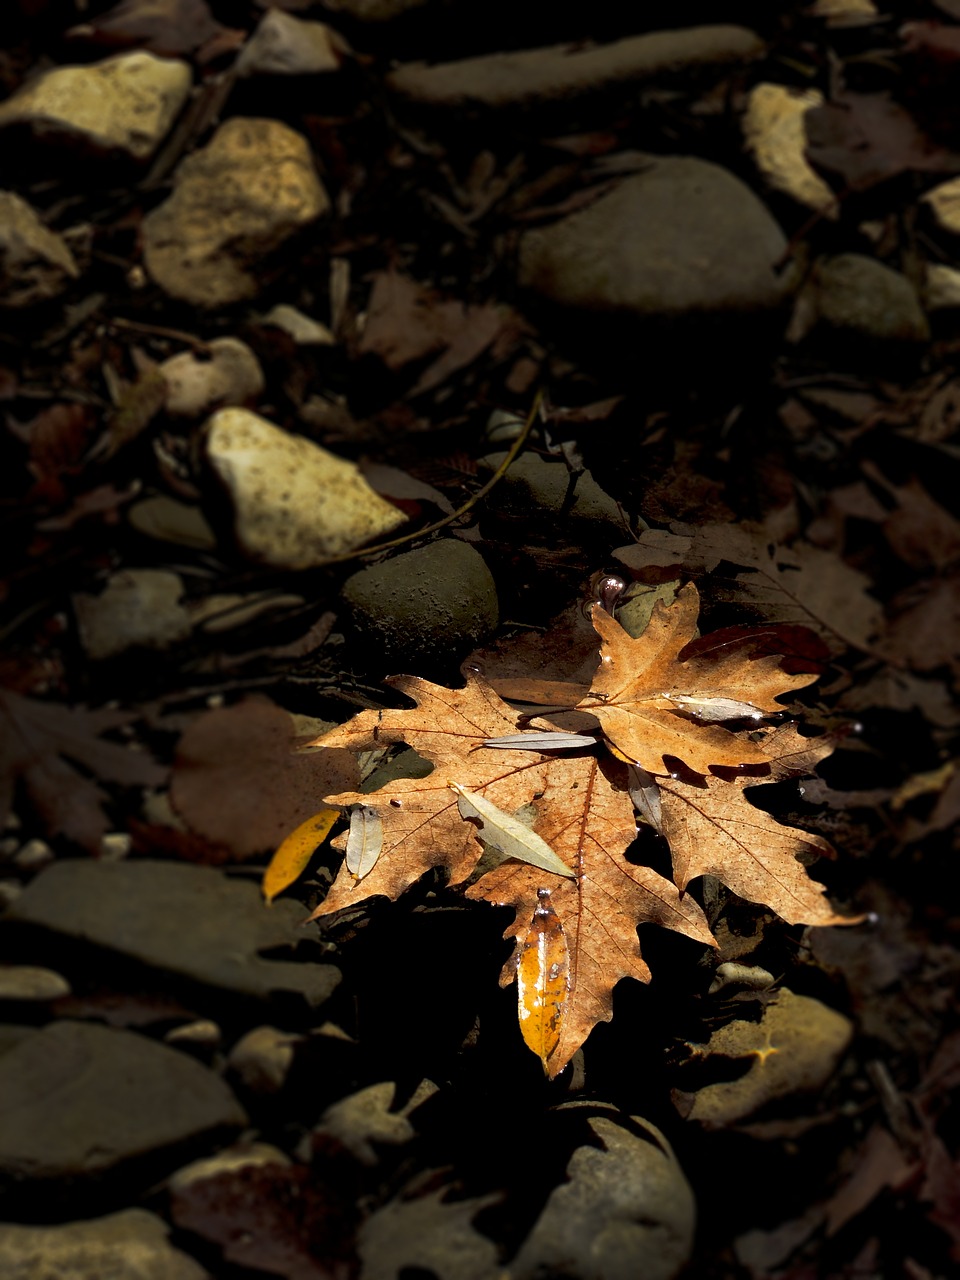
{"x": 424, "y": 605}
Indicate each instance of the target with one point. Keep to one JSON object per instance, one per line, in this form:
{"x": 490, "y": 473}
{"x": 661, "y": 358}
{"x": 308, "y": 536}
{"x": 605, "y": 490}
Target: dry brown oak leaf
{"x": 586, "y": 818}
{"x": 651, "y": 704}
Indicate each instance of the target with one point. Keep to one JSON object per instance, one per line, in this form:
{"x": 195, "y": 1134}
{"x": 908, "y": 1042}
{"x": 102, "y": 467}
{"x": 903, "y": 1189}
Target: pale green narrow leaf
{"x": 364, "y": 842}
{"x": 507, "y": 834}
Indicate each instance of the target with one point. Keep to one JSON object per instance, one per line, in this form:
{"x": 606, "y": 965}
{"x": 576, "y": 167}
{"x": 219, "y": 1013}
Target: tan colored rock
{"x": 129, "y": 1245}
{"x": 286, "y": 46}
{"x": 303, "y": 329}
{"x": 774, "y": 134}
{"x": 942, "y": 287}
{"x": 30, "y": 983}
{"x": 532, "y": 76}
{"x": 35, "y": 263}
{"x": 844, "y": 13}
{"x": 295, "y": 504}
{"x": 229, "y": 375}
{"x": 682, "y": 238}
{"x": 796, "y": 1047}
{"x": 944, "y": 203}
{"x": 124, "y": 104}
{"x": 233, "y": 204}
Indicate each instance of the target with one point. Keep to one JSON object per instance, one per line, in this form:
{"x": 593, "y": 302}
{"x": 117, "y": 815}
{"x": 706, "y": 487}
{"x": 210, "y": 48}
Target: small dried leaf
{"x": 543, "y": 980}
{"x": 365, "y": 841}
{"x": 507, "y": 834}
{"x": 290, "y": 860}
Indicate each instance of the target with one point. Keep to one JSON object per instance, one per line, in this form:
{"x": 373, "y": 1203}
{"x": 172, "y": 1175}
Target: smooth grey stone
{"x": 625, "y": 1210}
{"x": 78, "y": 1099}
{"x": 130, "y": 1245}
{"x": 535, "y": 488}
{"x": 425, "y": 605}
{"x": 681, "y": 238}
{"x": 191, "y": 921}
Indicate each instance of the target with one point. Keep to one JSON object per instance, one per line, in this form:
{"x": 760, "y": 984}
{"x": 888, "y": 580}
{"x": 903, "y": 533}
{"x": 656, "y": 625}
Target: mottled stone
{"x": 425, "y": 605}
{"x": 295, "y": 504}
{"x": 35, "y": 263}
{"x": 234, "y": 203}
{"x": 124, "y": 104}
{"x": 129, "y": 1245}
{"x": 856, "y": 298}
{"x": 79, "y": 1099}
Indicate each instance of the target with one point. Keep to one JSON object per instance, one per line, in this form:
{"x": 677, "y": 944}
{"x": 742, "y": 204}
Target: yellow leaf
{"x": 289, "y": 861}
{"x": 543, "y": 981}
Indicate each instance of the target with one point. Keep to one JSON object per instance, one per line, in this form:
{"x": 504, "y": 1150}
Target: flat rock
{"x": 626, "y": 1210}
{"x": 228, "y": 373}
{"x": 560, "y": 72}
{"x": 191, "y": 921}
{"x": 130, "y": 1245}
{"x": 424, "y": 605}
{"x": 295, "y": 503}
{"x": 35, "y": 262}
{"x": 303, "y": 329}
{"x": 862, "y": 301}
{"x": 774, "y": 134}
{"x": 168, "y": 520}
{"x": 683, "y": 238}
{"x": 125, "y": 104}
{"x": 941, "y": 287}
{"x": 286, "y": 46}
{"x": 234, "y": 203}
{"x": 79, "y": 1099}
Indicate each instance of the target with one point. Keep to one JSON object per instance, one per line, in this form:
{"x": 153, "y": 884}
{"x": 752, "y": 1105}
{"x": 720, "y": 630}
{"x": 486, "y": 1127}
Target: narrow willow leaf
{"x": 504, "y": 832}
{"x": 711, "y": 709}
{"x": 365, "y": 841}
{"x": 290, "y": 860}
{"x": 645, "y": 795}
{"x": 541, "y": 741}
{"x": 543, "y": 980}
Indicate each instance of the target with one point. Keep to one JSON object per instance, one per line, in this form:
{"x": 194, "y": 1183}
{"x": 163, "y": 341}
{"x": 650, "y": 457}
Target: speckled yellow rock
{"x": 295, "y": 504}
{"x": 124, "y": 104}
{"x": 233, "y": 203}
{"x": 774, "y": 134}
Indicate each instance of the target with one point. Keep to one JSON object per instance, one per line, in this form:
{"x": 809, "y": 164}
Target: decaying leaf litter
{"x": 766, "y": 456}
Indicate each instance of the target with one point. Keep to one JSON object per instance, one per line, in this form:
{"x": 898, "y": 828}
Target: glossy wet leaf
{"x": 543, "y": 980}
{"x": 291, "y": 859}
{"x": 543, "y": 741}
{"x": 507, "y": 834}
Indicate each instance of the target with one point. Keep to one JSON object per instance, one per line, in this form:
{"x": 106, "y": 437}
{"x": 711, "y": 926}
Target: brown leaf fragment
{"x": 713, "y": 829}
{"x": 641, "y": 686}
{"x": 38, "y": 740}
{"x": 238, "y": 782}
